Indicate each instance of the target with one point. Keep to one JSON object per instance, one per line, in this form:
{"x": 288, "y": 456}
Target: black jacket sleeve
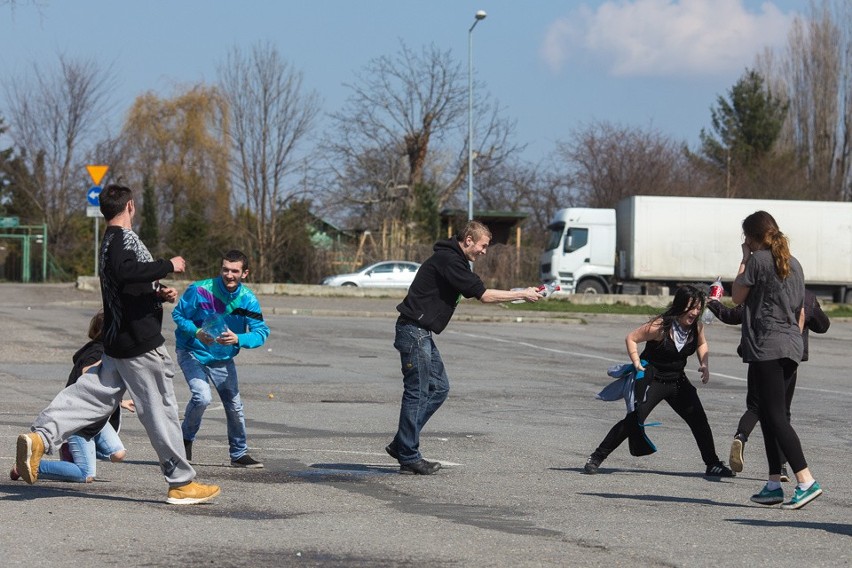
{"x": 815, "y": 319}
{"x": 730, "y": 316}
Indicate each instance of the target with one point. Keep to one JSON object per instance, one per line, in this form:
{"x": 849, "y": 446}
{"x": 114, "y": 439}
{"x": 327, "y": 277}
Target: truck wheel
{"x": 590, "y": 287}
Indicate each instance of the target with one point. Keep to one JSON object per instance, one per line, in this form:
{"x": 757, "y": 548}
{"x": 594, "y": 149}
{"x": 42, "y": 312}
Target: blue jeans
{"x": 82, "y": 468}
{"x": 223, "y": 375}
{"x": 425, "y": 387}
{"x": 107, "y": 442}
{"x": 148, "y": 378}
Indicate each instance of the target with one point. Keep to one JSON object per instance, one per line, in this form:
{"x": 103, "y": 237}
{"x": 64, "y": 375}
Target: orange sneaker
{"x": 192, "y": 493}
{"x": 30, "y": 450}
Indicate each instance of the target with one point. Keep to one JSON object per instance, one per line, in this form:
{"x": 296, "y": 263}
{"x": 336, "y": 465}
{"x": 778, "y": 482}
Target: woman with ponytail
{"x": 771, "y": 285}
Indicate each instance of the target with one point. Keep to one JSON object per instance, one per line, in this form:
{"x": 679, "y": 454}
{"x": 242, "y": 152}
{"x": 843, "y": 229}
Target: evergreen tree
{"x": 149, "y": 232}
{"x": 426, "y": 216}
{"x": 746, "y": 126}
{"x": 5, "y": 182}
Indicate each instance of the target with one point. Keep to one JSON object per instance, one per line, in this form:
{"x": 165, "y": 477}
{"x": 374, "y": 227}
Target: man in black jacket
{"x": 135, "y": 359}
{"x": 432, "y": 298}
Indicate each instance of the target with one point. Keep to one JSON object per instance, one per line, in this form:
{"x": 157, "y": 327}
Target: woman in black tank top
{"x": 670, "y": 339}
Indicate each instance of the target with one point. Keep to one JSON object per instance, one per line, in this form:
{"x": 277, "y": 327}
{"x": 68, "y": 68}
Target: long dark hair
{"x": 684, "y": 297}
{"x": 96, "y": 326}
{"x": 761, "y": 227}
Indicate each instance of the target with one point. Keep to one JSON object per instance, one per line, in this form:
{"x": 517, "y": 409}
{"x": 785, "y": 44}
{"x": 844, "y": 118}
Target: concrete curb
{"x": 91, "y": 283}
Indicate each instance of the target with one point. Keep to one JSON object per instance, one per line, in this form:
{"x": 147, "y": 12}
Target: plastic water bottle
{"x": 214, "y": 325}
{"x": 545, "y": 290}
{"x": 549, "y": 288}
{"x": 716, "y": 293}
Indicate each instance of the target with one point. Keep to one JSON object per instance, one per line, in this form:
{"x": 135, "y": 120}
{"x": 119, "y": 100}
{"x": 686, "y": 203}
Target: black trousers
{"x": 769, "y": 379}
{"x": 751, "y": 416}
{"x": 681, "y": 395}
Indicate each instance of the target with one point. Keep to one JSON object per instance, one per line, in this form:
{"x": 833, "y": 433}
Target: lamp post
{"x": 480, "y": 15}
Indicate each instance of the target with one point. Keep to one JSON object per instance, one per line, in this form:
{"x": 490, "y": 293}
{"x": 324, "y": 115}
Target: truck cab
{"x": 580, "y": 251}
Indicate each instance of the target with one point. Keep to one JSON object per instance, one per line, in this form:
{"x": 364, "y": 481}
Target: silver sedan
{"x": 385, "y": 274}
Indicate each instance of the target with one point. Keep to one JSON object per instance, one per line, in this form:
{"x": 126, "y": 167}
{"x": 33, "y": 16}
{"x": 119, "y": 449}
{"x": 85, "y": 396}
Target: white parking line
{"x": 611, "y": 360}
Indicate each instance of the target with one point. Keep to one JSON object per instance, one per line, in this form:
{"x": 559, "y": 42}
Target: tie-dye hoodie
{"x": 209, "y": 299}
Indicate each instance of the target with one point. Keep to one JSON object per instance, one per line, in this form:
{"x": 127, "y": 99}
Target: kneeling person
{"x": 216, "y": 318}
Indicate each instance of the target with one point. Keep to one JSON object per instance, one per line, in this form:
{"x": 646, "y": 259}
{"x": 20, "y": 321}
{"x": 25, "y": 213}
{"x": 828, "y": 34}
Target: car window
{"x": 383, "y": 268}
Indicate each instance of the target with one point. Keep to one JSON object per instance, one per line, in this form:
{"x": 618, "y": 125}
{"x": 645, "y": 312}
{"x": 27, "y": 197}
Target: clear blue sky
{"x": 553, "y": 65}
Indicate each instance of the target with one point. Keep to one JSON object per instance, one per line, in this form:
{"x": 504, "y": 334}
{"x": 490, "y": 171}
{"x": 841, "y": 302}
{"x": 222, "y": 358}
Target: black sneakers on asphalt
{"x": 420, "y": 467}
{"x": 592, "y": 465}
{"x": 187, "y": 445}
{"x": 391, "y": 450}
{"x": 719, "y": 469}
{"x": 246, "y": 461}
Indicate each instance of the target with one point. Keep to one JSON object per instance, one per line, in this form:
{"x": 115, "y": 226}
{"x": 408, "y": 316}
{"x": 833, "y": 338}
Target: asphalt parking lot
{"x": 322, "y": 400}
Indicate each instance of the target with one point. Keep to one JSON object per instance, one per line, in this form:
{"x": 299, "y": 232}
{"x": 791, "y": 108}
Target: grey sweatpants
{"x": 148, "y": 379}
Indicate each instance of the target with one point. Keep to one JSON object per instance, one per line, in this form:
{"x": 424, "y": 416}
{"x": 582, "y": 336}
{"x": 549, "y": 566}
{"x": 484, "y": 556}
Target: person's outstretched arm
{"x": 492, "y": 296}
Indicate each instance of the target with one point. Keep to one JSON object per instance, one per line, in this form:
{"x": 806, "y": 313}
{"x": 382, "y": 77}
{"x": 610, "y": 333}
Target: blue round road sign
{"x": 93, "y": 196}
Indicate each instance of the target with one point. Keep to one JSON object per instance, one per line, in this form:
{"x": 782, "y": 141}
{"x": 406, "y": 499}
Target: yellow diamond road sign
{"x": 97, "y": 173}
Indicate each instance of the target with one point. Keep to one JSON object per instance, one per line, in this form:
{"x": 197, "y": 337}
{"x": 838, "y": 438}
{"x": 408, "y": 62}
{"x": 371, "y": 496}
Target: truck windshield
{"x": 555, "y": 236}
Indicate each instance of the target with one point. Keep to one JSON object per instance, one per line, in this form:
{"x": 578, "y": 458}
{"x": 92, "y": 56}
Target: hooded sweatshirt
{"x": 439, "y": 285}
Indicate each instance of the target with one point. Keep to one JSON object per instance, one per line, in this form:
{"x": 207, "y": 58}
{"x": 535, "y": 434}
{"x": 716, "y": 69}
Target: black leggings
{"x": 769, "y": 379}
{"x": 751, "y": 416}
{"x": 683, "y": 398}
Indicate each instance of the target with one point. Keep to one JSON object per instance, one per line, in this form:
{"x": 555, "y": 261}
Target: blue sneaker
{"x": 769, "y": 496}
{"x": 802, "y": 497}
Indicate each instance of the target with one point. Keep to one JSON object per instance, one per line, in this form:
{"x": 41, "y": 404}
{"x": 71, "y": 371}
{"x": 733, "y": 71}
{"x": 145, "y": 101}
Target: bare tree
{"x": 270, "y": 116}
{"x": 604, "y": 163}
{"x": 13, "y": 4}
{"x": 815, "y": 72}
{"x": 53, "y": 119}
{"x": 404, "y": 127}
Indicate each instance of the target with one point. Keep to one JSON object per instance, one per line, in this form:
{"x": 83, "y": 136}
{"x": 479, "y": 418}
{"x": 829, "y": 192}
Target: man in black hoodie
{"x": 432, "y": 298}
{"x": 135, "y": 359}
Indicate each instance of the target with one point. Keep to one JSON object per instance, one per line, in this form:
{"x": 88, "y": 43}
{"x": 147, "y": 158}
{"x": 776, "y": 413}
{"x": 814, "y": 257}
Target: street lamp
{"x": 480, "y": 15}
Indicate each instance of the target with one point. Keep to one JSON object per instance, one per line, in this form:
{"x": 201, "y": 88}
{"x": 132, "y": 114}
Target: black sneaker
{"x": 785, "y": 477}
{"x": 187, "y": 445}
{"x": 391, "y": 450}
{"x": 592, "y": 465}
{"x": 246, "y": 461}
{"x": 420, "y": 467}
{"x": 719, "y": 469}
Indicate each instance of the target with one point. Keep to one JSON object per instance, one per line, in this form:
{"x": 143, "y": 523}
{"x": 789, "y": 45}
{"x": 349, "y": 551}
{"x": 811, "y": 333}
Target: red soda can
{"x": 716, "y": 289}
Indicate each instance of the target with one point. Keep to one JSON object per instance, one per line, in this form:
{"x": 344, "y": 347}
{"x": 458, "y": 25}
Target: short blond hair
{"x": 475, "y": 230}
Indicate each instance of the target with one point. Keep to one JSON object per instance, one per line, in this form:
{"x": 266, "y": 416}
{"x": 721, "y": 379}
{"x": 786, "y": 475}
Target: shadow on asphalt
{"x": 835, "y": 528}
{"x": 352, "y": 469}
{"x": 609, "y": 471}
{"x": 43, "y": 490}
{"x": 666, "y": 499}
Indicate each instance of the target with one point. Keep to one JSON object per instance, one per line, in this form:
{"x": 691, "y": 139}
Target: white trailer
{"x": 648, "y": 242}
